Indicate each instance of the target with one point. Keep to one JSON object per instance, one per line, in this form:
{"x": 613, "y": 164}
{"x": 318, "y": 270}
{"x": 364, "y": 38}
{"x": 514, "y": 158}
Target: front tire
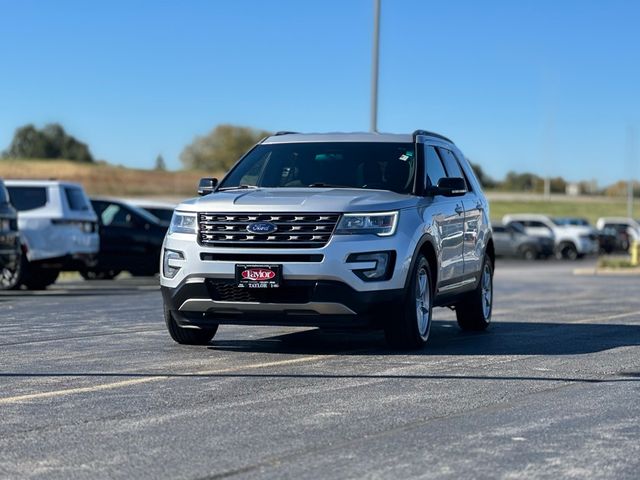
{"x": 529, "y": 253}
{"x": 187, "y": 336}
{"x": 411, "y": 329}
{"x": 568, "y": 251}
{"x": 474, "y": 312}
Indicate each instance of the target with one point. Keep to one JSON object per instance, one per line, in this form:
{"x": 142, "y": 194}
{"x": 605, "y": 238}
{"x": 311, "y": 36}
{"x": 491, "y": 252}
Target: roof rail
{"x": 430, "y": 134}
{"x": 283, "y": 132}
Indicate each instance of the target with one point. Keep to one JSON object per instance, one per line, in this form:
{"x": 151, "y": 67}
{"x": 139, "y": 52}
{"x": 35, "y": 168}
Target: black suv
{"x": 130, "y": 240}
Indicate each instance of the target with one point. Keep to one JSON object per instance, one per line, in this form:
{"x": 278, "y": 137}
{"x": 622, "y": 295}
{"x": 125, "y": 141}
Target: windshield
{"x": 372, "y": 165}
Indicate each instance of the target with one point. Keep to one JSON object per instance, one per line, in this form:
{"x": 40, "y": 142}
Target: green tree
{"x": 221, "y": 148}
{"x": 28, "y": 142}
{"x": 523, "y": 182}
{"x": 160, "y": 163}
{"x": 50, "y": 142}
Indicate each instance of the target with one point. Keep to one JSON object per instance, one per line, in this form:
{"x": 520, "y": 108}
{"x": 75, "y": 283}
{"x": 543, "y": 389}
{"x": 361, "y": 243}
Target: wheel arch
{"x": 426, "y": 247}
{"x": 491, "y": 252}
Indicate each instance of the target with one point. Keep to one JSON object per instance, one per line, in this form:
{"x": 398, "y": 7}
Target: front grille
{"x": 228, "y": 291}
{"x": 311, "y": 230}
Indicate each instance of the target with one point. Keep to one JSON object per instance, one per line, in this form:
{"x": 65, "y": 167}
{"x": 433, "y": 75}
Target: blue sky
{"x": 545, "y": 86}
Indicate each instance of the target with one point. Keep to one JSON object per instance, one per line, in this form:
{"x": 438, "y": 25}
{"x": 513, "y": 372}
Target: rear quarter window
{"x": 28, "y": 198}
{"x": 76, "y": 199}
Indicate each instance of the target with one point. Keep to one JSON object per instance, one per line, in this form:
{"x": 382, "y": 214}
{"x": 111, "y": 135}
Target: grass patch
{"x": 615, "y": 262}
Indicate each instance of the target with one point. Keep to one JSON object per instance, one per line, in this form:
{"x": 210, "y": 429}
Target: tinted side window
{"x": 499, "y": 229}
{"x": 116, "y": 215}
{"x": 27, "y": 198}
{"x": 76, "y": 198}
{"x": 435, "y": 170}
{"x": 450, "y": 163}
{"x": 536, "y": 224}
{"x": 4, "y": 196}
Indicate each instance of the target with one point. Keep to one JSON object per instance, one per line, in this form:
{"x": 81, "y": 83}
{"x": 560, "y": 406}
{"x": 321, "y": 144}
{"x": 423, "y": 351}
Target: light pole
{"x": 373, "y": 125}
{"x": 631, "y": 153}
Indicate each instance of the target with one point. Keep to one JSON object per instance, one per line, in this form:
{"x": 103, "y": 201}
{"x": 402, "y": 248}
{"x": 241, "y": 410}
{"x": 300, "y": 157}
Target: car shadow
{"x": 502, "y": 338}
{"x": 84, "y": 289}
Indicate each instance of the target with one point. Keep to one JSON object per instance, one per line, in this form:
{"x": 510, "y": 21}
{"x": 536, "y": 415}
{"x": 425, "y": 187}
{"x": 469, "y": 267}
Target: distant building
{"x": 572, "y": 189}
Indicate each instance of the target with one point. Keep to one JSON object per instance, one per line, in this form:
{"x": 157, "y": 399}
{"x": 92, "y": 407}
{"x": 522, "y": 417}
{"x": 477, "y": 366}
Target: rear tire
{"x": 410, "y": 330}
{"x": 37, "y": 278}
{"x": 88, "y": 274}
{"x": 10, "y": 275}
{"x": 187, "y": 336}
{"x": 474, "y": 312}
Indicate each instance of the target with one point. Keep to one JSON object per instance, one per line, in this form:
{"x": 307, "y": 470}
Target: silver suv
{"x": 333, "y": 230}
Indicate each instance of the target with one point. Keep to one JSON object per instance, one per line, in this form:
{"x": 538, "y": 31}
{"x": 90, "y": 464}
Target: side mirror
{"x": 207, "y": 186}
{"x": 449, "y": 187}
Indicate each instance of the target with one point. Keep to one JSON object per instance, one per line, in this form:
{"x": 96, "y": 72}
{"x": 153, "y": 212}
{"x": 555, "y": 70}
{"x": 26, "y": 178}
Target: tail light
{"x": 86, "y": 227}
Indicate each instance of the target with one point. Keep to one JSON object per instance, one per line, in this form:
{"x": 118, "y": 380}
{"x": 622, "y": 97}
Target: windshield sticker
{"x": 406, "y": 156}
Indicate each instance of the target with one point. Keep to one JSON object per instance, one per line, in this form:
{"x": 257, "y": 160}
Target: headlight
{"x": 171, "y": 263}
{"x": 182, "y": 222}
{"x": 381, "y": 224}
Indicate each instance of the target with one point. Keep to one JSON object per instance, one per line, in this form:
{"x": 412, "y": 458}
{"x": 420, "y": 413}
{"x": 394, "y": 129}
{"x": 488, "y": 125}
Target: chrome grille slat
{"x": 309, "y": 230}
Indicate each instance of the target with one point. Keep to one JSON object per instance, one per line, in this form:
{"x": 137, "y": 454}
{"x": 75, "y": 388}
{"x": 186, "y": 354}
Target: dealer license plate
{"x": 258, "y": 276}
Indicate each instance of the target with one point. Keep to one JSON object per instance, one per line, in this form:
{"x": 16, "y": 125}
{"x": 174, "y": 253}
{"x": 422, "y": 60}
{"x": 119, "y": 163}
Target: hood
{"x": 325, "y": 200}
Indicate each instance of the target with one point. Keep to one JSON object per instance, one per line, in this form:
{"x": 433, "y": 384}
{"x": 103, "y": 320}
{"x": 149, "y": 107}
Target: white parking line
{"x": 136, "y": 381}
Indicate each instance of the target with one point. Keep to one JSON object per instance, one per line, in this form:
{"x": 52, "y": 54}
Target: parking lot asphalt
{"x": 91, "y": 386}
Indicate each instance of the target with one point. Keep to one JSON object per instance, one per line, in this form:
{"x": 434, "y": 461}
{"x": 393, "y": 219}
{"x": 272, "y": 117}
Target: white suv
{"x": 328, "y": 230}
{"x": 571, "y": 241}
{"x": 58, "y": 228}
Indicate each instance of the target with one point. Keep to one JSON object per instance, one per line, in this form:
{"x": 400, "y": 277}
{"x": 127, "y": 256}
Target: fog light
{"x": 383, "y": 265}
{"x": 171, "y": 263}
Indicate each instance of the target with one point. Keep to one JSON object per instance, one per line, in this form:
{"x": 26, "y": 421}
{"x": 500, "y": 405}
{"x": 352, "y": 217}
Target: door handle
{"x": 459, "y": 209}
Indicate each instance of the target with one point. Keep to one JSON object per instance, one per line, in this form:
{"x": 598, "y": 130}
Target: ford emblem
{"x": 262, "y": 227}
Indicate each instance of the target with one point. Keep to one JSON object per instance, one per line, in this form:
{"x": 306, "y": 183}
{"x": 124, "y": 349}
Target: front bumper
{"x": 319, "y": 286}
{"x": 297, "y": 303}
{"x": 328, "y": 263}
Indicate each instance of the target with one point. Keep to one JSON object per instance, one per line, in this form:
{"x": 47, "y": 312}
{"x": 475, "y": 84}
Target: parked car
{"x": 10, "y": 248}
{"x": 606, "y": 238}
{"x": 625, "y": 230}
{"x": 162, "y": 210}
{"x": 571, "y": 241}
{"x": 511, "y": 240}
{"x": 58, "y": 229}
{"x": 130, "y": 240}
{"x": 345, "y": 230}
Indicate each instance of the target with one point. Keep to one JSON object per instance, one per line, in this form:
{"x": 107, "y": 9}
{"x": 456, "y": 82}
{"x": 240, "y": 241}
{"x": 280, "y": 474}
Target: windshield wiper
{"x": 238, "y": 187}
{"x": 326, "y": 185}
